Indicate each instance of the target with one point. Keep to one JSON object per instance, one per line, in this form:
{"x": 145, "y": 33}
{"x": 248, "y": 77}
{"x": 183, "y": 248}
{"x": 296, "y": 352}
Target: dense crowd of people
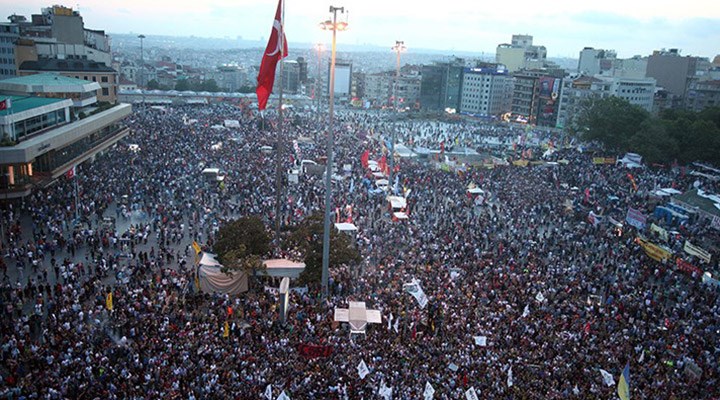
{"x": 557, "y": 296}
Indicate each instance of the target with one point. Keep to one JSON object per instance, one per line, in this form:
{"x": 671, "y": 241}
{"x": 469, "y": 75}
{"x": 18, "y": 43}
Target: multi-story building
{"x": 524, "y": 98}
{"x": 407, "y": 89}
{"x": 639, "y": 92}
{"x": 671, "y": 70}
{"x": 41, "y": 137}
{"x": 78, "y": 69}
{"x": 378, "y": 88}
{"x": 291, "y": 77}
{"x": 595, "y": 61}
{"x": 575, "y": 93}
{"x": 9, "y": 34}
{"x": 441, "y": 84}
{"x": 521, "y": 54}
{"x": 703, "y": 94}
{"x": 485, "y": 91}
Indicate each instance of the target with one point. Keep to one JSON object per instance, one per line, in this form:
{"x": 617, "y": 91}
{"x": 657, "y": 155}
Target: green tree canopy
{"x": 308, "y": 238}
{"x": 241, "y": 243}
{"x": 654, "y": 142}
{"x": 611, "y": 121}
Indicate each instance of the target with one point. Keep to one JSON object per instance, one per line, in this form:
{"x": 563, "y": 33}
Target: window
{"x": 105, "y": 92}
{"x": 94, "y": 78}
{"x": 104, "y": 79}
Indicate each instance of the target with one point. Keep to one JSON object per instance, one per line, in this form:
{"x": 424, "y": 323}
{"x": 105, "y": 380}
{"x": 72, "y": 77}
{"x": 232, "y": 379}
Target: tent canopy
{"x": 283, "y": 268}
{"x": 345, "y": 227}
{"x": 213, "y": 280}
{"x": 397, "y": 202}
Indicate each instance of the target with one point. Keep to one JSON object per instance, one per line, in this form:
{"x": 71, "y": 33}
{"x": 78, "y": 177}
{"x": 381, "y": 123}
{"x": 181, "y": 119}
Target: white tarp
{"x": 397, "y": 202}
{"x": 283, "y": 267}
{"x": 213, "y": 280}
{"x": 400, "y": 215}
{"x": 232, "y": 123}
{"x": 346, "y": 227}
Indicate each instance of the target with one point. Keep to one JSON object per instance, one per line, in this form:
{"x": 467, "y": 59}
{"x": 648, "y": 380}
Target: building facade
{"x": 9, "y": 34}
{"x": 440, "y": 86}
{"x": 703, "y": 94}
{"x": 78, "y": 69}
{"x": 41, "y": 140}
{"x": 520, "y": 54}
{"x": 485, "y": 91}
{"x": 672, "y": 71}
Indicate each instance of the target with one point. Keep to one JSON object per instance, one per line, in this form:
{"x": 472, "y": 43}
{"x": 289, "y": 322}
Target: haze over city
{"x": 564, "y": 27}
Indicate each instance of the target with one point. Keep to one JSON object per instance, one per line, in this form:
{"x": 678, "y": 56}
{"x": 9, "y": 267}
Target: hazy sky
{"x": 563, "y": 26}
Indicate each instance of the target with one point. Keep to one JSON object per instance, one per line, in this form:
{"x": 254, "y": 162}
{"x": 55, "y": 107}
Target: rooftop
{"x": 47, "y": 83}
{"x": 24, "y": 103}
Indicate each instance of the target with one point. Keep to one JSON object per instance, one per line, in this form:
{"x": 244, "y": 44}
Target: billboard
{"x": 343, "y": 74}
{"x": 548, "y": 100}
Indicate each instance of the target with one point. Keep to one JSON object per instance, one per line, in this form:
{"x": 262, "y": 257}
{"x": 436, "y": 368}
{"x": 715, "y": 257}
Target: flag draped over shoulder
{"x": 273, "y": 53}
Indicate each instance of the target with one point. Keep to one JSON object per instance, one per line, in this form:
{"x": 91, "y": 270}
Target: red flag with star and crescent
{"x": 273, "y": 53}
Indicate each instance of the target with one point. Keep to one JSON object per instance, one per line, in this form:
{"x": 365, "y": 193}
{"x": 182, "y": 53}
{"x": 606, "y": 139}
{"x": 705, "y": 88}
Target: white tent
{"x": 282, "y": 267}
{"x": 400, "y": 216}
{"x": 213, "y": 280}
{"x": 397, "y": 202}
{"x": 346, "y": 227}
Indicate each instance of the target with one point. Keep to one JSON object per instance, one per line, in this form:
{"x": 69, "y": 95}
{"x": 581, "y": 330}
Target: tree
{"x": 209, "y": 86}
{"x": 611, "y": 121}
{"x": 153, "y": 84}
{"x": 308, "y": 238}
{"x": 702, "y": 143}
{"x": 241, "y": 244}
{"x": 653, "y": 142}
{"x": 182, "y": 85}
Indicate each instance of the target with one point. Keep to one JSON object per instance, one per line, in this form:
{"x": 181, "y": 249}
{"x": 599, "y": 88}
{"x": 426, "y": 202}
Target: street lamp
{"x": 318, "y": 87}
{"x": 334, "y": 26}
{"x": 398, "y": 48}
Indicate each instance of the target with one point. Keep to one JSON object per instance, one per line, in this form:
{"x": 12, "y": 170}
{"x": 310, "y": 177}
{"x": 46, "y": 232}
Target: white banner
{"x": 480, "y": 340}
{"x": 470, "y": 394}
{"x": 415, "y": 289}
{"x": 697, "y": 251}
{"x": 283, "y": 396}
{"x": 607, "y": 377}
{"x": 268, "y": 392}
{"x": 429, "y": 391}
{"x": 363, "y": 370}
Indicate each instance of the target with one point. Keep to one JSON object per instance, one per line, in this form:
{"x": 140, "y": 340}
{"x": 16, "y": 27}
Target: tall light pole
{"x": 398, "y": 48}
{"x": 334, "y": 26}
{"x": 142, "y": 67}
{"x": 318, "y": 81}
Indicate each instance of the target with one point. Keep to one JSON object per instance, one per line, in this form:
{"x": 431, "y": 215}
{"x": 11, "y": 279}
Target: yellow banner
{"x": 109, "y": 301}
{"x": 226, "y": 329}
{"x": 520, "y": 163}
{"x": 598, "y": 160}
{"x": 653, "y": 251}
{"x": 196, "y": 247}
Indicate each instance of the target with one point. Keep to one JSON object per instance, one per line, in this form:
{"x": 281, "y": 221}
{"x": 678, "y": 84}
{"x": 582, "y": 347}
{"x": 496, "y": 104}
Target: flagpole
{"x": 278, "y": 160}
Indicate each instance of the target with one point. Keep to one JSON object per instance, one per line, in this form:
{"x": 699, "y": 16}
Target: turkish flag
{"x": 273, "y": 53}
{"x": 5, "y": 104}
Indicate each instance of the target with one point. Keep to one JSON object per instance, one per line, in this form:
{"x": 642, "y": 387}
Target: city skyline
{"x": 629, "y": 28}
